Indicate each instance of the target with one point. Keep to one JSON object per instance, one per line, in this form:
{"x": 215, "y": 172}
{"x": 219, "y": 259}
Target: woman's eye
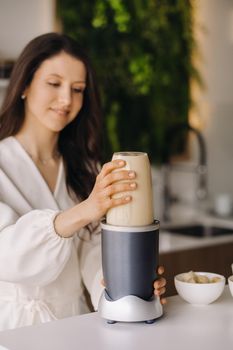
{"x": 78, "y": 90}
{"x": 55, "y": 84}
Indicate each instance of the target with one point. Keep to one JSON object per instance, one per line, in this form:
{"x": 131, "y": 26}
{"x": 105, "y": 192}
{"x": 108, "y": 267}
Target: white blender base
{"x": 130, "y": 309}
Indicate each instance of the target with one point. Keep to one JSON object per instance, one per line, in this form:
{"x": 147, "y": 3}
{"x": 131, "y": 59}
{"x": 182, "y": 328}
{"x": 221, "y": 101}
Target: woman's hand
{"x": 159, "y": 285}
{"x": 108, "y": 183}
{"x": 107, "y": 193}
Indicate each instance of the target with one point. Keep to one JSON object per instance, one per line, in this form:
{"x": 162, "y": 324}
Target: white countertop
{"x": 170, "y": 242}
{"x": 182, "y": 327}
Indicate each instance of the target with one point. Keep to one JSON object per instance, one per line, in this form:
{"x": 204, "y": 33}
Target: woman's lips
{"x": 61, "y": 112}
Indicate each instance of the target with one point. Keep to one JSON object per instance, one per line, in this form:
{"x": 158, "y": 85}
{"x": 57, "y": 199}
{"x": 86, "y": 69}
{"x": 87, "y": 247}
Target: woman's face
{"x": 55, "y": 95}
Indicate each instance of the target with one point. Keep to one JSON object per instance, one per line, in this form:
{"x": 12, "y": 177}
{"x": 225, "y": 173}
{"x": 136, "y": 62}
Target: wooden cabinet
{"x": 215, "y": 258}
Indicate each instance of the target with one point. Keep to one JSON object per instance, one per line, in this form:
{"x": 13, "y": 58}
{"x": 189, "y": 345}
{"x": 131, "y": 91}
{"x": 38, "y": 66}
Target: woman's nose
{"x": 65, "y": 96}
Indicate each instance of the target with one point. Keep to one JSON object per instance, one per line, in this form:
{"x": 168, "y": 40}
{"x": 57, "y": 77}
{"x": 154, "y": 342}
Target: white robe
{"x": 41, "y": 274}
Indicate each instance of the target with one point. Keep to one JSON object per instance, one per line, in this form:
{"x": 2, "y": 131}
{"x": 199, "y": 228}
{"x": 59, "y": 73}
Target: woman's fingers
{"x": 111, "y": 188}
{"x": 120, "y": 187}
{"x": 110, "y": 182}
{"x": 160, "y": 284}
{"x": 103, "y": 282}
{"x": 120, "y": 175}
{"x": 114, "y": 202}
{"x": 110, "y": 166}
{"x": 163, "y": 301}
{"x": 160, "y": 270}
{"x": 160, "y": 291}
{"x": 116, "y": 178}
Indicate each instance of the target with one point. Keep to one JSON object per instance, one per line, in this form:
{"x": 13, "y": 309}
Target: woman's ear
{"x": 24, "y": 94}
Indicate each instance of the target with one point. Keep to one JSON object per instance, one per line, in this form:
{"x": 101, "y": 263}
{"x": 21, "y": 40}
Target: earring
{"x": 23, "y": 96}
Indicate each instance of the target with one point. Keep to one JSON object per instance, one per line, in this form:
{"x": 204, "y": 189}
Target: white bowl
{"x": 200, "y": 293}
{"x": 230, "y": 283}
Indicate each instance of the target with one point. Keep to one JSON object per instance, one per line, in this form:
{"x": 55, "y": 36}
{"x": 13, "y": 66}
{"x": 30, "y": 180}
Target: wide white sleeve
{"x": 30, "y": 250}
{"x": 91, "y": 265}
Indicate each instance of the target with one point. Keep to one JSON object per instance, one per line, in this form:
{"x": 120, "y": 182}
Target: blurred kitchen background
{"x": 166, "y": 79}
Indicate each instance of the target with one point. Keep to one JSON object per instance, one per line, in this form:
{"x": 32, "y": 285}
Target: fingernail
{"x": 121, "y": 162}
{"x": 133, "y": 185}
{"x": 127, "y": 198}
{"x": 131, "y": 173}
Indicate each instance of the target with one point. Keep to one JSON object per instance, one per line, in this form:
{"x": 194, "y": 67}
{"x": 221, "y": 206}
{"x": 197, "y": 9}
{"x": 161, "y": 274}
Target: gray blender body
{"x": 129, "y": 260}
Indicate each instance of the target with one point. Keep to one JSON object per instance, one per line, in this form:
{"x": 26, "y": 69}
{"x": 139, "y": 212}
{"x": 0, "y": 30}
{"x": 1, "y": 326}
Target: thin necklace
{"x": 45, "y": 161}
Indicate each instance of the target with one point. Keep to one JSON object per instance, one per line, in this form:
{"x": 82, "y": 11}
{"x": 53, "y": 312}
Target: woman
{"x": 51, "y": 198}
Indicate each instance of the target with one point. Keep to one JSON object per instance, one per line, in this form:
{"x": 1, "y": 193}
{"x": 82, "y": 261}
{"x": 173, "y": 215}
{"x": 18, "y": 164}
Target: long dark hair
{"x": 79, "y": 141}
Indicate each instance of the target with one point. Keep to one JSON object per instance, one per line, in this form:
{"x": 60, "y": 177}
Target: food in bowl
{"x": 207, "y": 290}
{"x": 192, "y": 277}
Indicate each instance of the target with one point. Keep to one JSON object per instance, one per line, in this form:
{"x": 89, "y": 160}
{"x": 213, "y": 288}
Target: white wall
{"x": 20, "y": 21}
{"x": 216, "y": 101}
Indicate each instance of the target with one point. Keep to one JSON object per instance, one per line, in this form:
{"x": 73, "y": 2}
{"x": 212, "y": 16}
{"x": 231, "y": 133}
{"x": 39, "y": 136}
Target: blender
{"x": 130, "y": 241}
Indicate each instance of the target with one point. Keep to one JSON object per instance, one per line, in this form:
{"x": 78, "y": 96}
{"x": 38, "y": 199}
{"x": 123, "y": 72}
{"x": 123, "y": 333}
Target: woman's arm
{"x": 30, "y": 250}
